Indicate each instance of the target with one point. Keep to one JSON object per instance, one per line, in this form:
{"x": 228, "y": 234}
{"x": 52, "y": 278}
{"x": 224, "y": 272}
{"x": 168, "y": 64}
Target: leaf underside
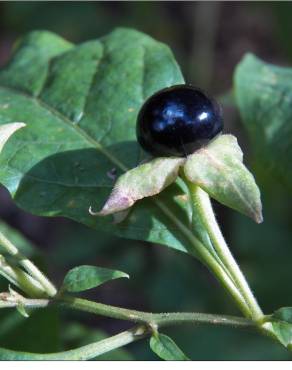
{"x": 80, "y": 105}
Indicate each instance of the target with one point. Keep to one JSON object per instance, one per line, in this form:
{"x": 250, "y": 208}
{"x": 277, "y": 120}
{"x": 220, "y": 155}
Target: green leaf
{"x": 282, "y": 326}
{"x": 218, "y": 169}
{"x": 87, "y": 277}
{"x": 7, "y": 130}
{"x": 166, "y": 349}
{"x": 283, "y": 314}
{"x": 264, "y": 95}
{"x": 80, "y": 105}
{"x": 283, "y": 332}
{"x": 143, "y": 181}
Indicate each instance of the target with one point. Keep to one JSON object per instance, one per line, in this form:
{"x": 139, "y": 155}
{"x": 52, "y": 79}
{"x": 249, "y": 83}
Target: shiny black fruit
{"x": 177, "y": 120}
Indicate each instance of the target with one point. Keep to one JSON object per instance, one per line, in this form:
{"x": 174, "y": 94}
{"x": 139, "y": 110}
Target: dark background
{"x": 208, "y": 40}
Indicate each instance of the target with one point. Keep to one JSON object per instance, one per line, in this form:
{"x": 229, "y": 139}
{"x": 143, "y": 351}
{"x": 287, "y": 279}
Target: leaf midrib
{"x": 71, "y": 124}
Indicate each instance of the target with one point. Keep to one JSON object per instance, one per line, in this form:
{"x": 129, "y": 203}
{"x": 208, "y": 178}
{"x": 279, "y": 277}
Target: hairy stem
{"x": 87, "y": 352}
{"x": 28, "y": 266}
{"x": 203, "y": 205}
{"x": 157, "y": 319}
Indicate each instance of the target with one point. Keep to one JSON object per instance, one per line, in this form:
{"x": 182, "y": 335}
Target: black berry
{"x": 177, "y": 120}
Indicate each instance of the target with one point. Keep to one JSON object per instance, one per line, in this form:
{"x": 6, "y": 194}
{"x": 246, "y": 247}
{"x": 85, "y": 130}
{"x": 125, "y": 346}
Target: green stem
{"x": 203, "y": 205}
{"x": 28, "y": 266}
{"x": 21, "y": 279}
{"x": 158, "y": 319}
{"x": 197, "y": 248}
{"x": 87, "y": 352}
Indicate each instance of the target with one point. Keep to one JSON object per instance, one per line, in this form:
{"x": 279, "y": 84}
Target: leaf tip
{"x": 259, "y": 218}
{"x": 257, "y": 214}
{"x": 91, "y": 212}
{"x": 117, "y": 202}
{"x": 20, "y": 124}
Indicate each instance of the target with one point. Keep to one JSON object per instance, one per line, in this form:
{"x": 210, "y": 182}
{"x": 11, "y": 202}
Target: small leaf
{"x": 21, "y": 309}
{"x": 283, "y": 332}
{"x": 218, "y": 169}
{"x": 283, "y": 314}
{"x": 280, "y": 326}
{"x": 143, "y": 181}
{"x": 87, "y": 277}
{"x": 7, "y": 130}
{"x": 166, "y": 348}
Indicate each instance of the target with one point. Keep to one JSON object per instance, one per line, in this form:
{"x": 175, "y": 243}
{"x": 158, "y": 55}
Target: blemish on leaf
{"x": 71, "y": 204}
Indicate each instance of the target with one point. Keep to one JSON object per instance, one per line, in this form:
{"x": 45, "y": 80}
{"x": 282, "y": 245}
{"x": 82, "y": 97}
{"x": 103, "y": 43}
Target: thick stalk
{"x": 28, "y": 266}
{"x": 203, "y": 205}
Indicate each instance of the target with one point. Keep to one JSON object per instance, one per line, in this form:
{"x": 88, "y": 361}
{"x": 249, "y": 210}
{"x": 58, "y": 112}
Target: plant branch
{"x": 87, "y": 352}
{"x": 203, "y": 205}
{"x": 28, "y": 266}
{"x": 157, "y": 319}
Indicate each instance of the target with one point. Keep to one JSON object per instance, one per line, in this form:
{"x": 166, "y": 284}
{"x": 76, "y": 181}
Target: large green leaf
{"x": 80, "y": 105}
{"x": 264, "y": 96}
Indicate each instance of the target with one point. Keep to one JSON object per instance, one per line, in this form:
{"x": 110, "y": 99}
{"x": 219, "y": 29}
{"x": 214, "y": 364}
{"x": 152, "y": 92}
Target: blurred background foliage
{"x": 208, "y": 40}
